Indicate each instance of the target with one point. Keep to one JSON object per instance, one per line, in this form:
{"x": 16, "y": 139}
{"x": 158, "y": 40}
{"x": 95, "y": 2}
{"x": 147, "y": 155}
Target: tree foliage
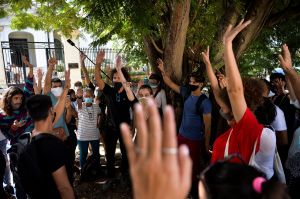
{"x": 146, "y": 23}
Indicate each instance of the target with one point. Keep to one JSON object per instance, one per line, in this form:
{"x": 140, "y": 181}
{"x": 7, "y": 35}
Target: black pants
{"x": 111, "y": 137}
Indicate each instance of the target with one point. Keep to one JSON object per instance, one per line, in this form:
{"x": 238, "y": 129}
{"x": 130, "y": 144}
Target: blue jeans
{"x": 83, "y": 147}
{"x": 7, "y": 175}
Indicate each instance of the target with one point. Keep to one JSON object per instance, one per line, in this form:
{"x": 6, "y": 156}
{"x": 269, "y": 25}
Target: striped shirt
{"x": 6, "y": 121}
{"x": 87, "y": 123}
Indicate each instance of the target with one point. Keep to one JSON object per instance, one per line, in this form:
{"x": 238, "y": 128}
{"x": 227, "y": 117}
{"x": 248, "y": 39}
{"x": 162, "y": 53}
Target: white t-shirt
{"x": 87, "y": 123}
{"x": 160, "y": 99}
{"x": 264, "y": 158}
{"x": 279, "y": 124}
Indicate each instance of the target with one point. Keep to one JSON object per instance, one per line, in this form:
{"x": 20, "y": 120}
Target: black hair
{"x": 124, "y": 71}
{"x": 71, "y": 91}
{"x": 56, "y": 80}
{"x": 277, "y": 75}
{"x": 146, "y": 87}
{"x": 78, "y": 84}
{"x": 155, "y": 76}
{"x": 38, "y": 107}
{"x": 234, "y": 181}
{"x": 7, "y": 99}
{"x": 198, "y": 77}
{"x": 266, "y": 113}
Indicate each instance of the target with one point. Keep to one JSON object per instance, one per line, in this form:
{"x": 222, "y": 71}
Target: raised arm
{"x": 99, "y": 60}
{"x": 51, "y": 65}
{"x": 59, "y": 108}
{"x": 166, "y": 78}
{"x": 234, "y": 85}
{"x": 29, "y": 82}
{"x": 39, "y": 81}
{"x": 125, "y": 84}
{"x": 212, "y": 78}
{"x": 84, "y": 70}
{"x": 30, "y": 66}
{"x": 286, "y": 64}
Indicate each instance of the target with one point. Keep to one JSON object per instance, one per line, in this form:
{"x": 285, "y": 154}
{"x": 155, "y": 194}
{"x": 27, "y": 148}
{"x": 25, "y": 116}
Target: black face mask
{"x": 193, "y": 87}
{"x": 73, "y": 99}
{"x": 117, "y": 85}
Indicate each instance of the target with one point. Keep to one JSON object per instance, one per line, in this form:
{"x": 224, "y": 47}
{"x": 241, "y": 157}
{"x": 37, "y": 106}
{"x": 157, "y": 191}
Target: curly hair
{"x": 124, "y": 71}
{"x": 7, "y": 98}
{"x": 253, "y": 93}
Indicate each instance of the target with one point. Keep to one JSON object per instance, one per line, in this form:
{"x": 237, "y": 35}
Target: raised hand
{"x": 25, "y": 61}
{"x": 285, "y": 59}
{"x": 119, "y": 62}
{"x": 158, "y": 169}
{"x": 82, "y": 57}
{"x": 160, "y": 65}
{"x": 205, "y": 56}
{"x": 40, "y": 73}
{"x": 67, "y": 79}
{"x": 222, "y": 80}
{"x": 231, "y": 32}
{"x": 52, "y": 62}
{"x": 100, "y": 57}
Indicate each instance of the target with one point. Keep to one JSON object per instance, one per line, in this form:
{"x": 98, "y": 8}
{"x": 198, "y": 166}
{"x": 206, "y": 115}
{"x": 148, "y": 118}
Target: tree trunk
{"x": 230, "y": 17}
{"x": 152, "y": 53}
{"x": 176, "y": 37}
{"x": 258, "y": 12}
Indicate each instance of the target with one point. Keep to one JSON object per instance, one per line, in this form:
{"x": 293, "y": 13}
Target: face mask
{"x": 117, "y": 85}
{"x": 73, "y": 99}
{"x": 226, "y": 116}
{"x": 153, "y": 85}
{"x": 88, "y": 100}
{"x": 193, "y": 87}
{"x": 143, "y": 100}
{"x": 57, "y": 91}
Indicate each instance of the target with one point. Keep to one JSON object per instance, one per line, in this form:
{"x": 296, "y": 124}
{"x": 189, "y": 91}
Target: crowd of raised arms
{"x": 242, "y": 140}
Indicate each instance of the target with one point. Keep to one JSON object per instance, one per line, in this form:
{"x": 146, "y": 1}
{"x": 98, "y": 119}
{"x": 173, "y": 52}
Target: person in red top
{"x": 233, "y": 100}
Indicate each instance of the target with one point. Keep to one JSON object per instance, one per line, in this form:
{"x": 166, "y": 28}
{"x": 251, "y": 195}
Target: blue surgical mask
{"x": 88, "y": 100}
{"x": 153, "y": 85}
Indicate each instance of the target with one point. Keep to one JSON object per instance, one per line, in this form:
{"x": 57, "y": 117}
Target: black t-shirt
{"x": 118, "y": 106}
{"x": 51, "y": 155}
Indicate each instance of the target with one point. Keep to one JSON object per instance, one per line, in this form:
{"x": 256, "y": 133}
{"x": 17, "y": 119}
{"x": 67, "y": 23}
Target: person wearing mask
{"x": 256, "y": 145}
{"x": 120, "y": 99}
{"x": 53, "y": 88}
{"x": 88, "y": 132}
{"x": 159, "y": 93}
{"x": 196, "y": 120}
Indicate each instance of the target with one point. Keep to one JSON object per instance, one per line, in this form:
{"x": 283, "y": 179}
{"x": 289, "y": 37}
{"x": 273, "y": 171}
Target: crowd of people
{"x": 240, "y": 141}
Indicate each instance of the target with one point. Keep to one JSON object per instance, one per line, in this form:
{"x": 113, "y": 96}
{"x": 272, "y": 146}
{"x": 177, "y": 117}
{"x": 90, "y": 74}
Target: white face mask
{"x": 57, "y": 91}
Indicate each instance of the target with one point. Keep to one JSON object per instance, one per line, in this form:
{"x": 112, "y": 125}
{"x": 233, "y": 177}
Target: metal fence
{"x": 15, "y": 70}
{"x": 110, "y": 55}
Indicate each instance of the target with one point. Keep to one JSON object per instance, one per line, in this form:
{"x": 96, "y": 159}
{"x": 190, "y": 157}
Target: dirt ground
{"x": 116, "y": 188}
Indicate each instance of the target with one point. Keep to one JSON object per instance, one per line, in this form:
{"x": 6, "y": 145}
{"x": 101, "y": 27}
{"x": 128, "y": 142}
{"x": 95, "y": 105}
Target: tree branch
{"x": 155, "y": 46}
{"x": 288, "y": 13}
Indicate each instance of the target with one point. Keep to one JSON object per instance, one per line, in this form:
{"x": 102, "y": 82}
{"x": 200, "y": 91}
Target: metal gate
{"x": 12, "y": 50}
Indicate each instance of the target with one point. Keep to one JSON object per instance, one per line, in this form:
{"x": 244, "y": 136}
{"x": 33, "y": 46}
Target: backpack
{"x": 27, "y": 168}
